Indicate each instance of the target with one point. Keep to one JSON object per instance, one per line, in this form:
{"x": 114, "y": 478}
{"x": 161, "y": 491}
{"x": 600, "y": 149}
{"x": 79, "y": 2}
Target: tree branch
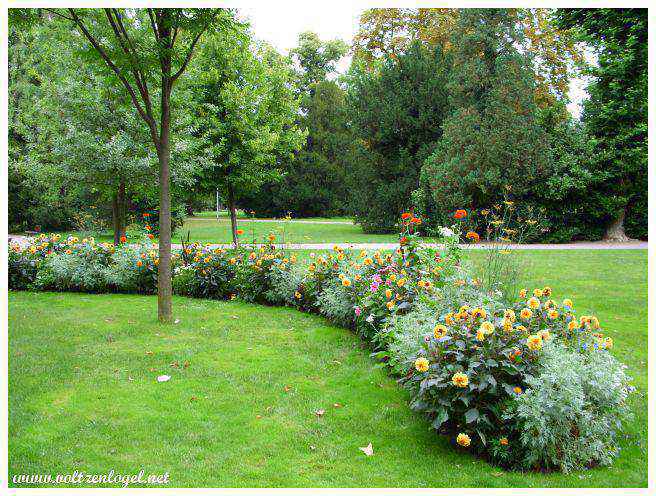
{"x": 148, "y": 118}
{"x": 189, "y": 55}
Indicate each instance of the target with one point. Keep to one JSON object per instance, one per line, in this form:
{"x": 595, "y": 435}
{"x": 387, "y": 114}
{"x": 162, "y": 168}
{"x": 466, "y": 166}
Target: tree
{"x": 149, "y": 49}
{"x": 246, "y": 113}
{"x": 316, "y": 59}
{"x": 390, "y": 32}
{"x": 491, "y": 138}
{"x": 616, "y": 113}
{"x": 397, "y": 112}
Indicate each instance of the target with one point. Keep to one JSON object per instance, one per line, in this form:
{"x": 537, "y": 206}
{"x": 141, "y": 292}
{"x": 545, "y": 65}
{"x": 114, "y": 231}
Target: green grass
{"x": 224, "y": 214}
{"x": 83, "y": 394}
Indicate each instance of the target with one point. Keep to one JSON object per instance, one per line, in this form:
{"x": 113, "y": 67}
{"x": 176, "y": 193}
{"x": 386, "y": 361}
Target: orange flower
{"x": 123, "y": 239}
{"x": 473, "y": 236}
{"x": 240, "y": 232}
{"x": 415, "y": 220}
{"x": 139, "y": 263}
{"x": 146, "y": 215}
{"x": 460, "y": 214}
{"x": 403, "y": 240}
{"x": 151, "y": 236}
{"x": 147, "y": 227}
{"x": 406, "y": 215}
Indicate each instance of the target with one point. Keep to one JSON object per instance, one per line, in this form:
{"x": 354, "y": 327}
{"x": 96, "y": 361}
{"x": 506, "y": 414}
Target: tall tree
{"x": 492, "y": 138}
{"x": 149, "y": 49}
{"x": 397, "y": 112}
{"x": 246, "y": 114}
{"x": 616, "y": 112}
{"x": 316, "y": 59}
{"x": 390, "y": 32}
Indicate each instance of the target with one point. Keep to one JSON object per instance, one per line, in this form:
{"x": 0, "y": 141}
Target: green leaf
{"x": 471, "y": 415}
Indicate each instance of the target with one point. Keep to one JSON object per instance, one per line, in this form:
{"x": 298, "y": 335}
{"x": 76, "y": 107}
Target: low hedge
{"x": 481, "y": 365}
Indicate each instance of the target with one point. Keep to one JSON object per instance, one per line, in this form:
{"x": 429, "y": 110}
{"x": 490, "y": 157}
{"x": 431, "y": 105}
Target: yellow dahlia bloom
{"x": 400, "y": 282}
{"x": 594, "y": 322}
{"x": 390, "y": 305}
{"x": 553, "y": 315}
{"x": 546, "y": 291}
{"x": 537, "y": 292}
{"x": 568, "y": 303}
{"x": 608, "y": 343}
{"x": 480, "y": 335}
{"x": 526, "y": 313}
{"x": 510, "y": 315}
{"x": 449, "y": 319}
{"x": 523, "y": 293}
{"x": 534, "y": 303}
{"x": 573, "y": 325}
{"x": 346, "y": 282}
{"x": 388, "y": 293}
{"x": 439, "y": 331}
{"x": 463, "y": 440}
{"x": 421, "y": 364}
{"x": 534, "y": 342}
{"x": 460, "y": 380}
{"x": 487, "y": 327}
{"x": 479, "y": 312}
{"x": 545, "y": 335}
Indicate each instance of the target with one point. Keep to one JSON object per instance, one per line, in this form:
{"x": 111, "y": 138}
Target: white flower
{"x": 446, "y": 232}
{"x": 370, "y": 319}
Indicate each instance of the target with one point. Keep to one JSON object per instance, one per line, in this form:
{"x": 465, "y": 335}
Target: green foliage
{"x": 616, "y": 112}
{"x": 571, "y": 415}
{"x": 492, "y": 137}
{"x": 397, "y": 112}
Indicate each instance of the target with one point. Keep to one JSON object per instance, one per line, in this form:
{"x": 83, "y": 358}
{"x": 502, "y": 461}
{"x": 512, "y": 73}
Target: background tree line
{"x": 439, "y": 109}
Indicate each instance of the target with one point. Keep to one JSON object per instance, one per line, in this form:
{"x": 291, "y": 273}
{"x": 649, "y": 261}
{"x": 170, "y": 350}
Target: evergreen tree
{"x": 492, "y": 138}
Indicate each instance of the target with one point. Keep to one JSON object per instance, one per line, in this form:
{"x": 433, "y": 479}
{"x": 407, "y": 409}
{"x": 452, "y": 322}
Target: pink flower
{"x": 358, "y": 311}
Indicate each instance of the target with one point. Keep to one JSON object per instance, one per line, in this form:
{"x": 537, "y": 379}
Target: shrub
{"x": 570, "y": 416}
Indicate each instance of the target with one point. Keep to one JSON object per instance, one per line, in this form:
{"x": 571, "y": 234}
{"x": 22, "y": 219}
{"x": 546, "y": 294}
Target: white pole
{"x": 217, "y": 203}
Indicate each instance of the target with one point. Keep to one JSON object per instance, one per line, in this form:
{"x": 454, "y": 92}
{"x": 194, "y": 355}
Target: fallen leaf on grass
{"x": 337, "y": 405}
{"x": 186, "y": 364}
{"x": 497, "y": 474}
{"x": 319, "y": 412}
{"x": 193, "y": 398}
{"x": 149, "y": 353}
{"x": 287, "y": 388}
{"x": 175, "y": 364}
{"x": 235, "y": 317}
{"x": 337, "y": 362}
{"x": 258, "y": 417}
{"x": 367, "y": 450}
{"x": 163, "y": 378}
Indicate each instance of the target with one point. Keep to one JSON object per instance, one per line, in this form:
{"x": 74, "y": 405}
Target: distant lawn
{"x": 83, "y": 393}
{"x": 243, "y": 215}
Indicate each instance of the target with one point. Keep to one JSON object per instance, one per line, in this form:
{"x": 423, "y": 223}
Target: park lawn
{"x": 206, "y": 230}
{"x": 224, "y": 214}
{"x": 83, "y": 394}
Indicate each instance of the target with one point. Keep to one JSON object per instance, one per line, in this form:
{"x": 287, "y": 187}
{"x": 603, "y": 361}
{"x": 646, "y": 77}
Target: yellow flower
{"x": 510, "y": 315}
{"x": 297, "y": 295}
{"x": 346, "y": 282}
{"x": 392, "y": 277}
{"x": 573, "y": 325}
{"x": 517, "y": 390}
{"x": 400, "y": 282}
{"x": 534, "y": 342}
{"x": 463, "y": 440}
{"x": 480, "y": 335}
{"x": 479, "y": 312}
{"x": 390, "y": 305}
{"x": 523, "y": 293}
{"x": 545, "y": 335}
{"x": 526, "y": 314}
{"x": 460, "y": 380}
{"x": 357, "y": 277}
{"x": 553, "y": 315}
{"x": 464, "y": 309}
{"x": 368, "y": 261}
{"x": 537, "y": 292}
{"x": 507, "y": 324}
{"x": 388, "y": 293}
{"x": 439, "y": 331}
{"x": 546, "y": 291}
{"x": 449, "y": 319}
{"x": 487, "y": 327}
{"x": 421, "y": 364}
{"x": 608, "y": 343}
{"x": 533, "y": 303}
{"x": 520, "y": 328}
{"x": 312, "y": 267}
{"x": 271, "y": 237}
{"x": 568, "y": 303}
{"x": 594, "y": 322}
{"x": 233, "y": 260}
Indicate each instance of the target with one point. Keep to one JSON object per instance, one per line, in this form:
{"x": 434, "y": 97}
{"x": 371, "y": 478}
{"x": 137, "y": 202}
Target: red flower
{"x": 148, "y": 228}
{"x": 460, "y": 214}
{"x": 403, "y": 240}
{"x": 123, "y": 239}
{"x": 240, "y": 232}
{"x": 151, "y": 236}
{"x": 473, "y": 236}
{"x": 415, "y": 220}
{"x": 146, "y": 215}
{"x": 406, "y": 215}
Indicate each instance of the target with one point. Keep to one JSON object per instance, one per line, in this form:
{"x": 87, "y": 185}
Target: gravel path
{"x": 583, "y": 245}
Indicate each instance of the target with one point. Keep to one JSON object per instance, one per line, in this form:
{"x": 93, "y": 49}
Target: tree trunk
{"x": 615, "y": 231}
{"x": 164, "y": 285}
{"x": 233, "y": 215}
{"x": 119, "y": 210}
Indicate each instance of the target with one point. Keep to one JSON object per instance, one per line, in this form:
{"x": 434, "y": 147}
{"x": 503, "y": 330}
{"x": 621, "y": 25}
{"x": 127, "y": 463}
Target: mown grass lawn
{"x": 83, "y": 393}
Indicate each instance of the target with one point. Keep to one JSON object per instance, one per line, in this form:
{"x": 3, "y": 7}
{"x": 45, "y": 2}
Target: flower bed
{"x": 521, "y": 380}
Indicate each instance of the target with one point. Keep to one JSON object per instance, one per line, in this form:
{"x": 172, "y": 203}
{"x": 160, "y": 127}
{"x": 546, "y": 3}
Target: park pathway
{"x": 582, "y": 245}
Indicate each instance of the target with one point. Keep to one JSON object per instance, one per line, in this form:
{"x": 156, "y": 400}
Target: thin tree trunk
{"x": 233, "y": 215}
{"x": 119, "y": 209}
{"x": 615, "y": 230}
{"x": 164, "y": 286}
